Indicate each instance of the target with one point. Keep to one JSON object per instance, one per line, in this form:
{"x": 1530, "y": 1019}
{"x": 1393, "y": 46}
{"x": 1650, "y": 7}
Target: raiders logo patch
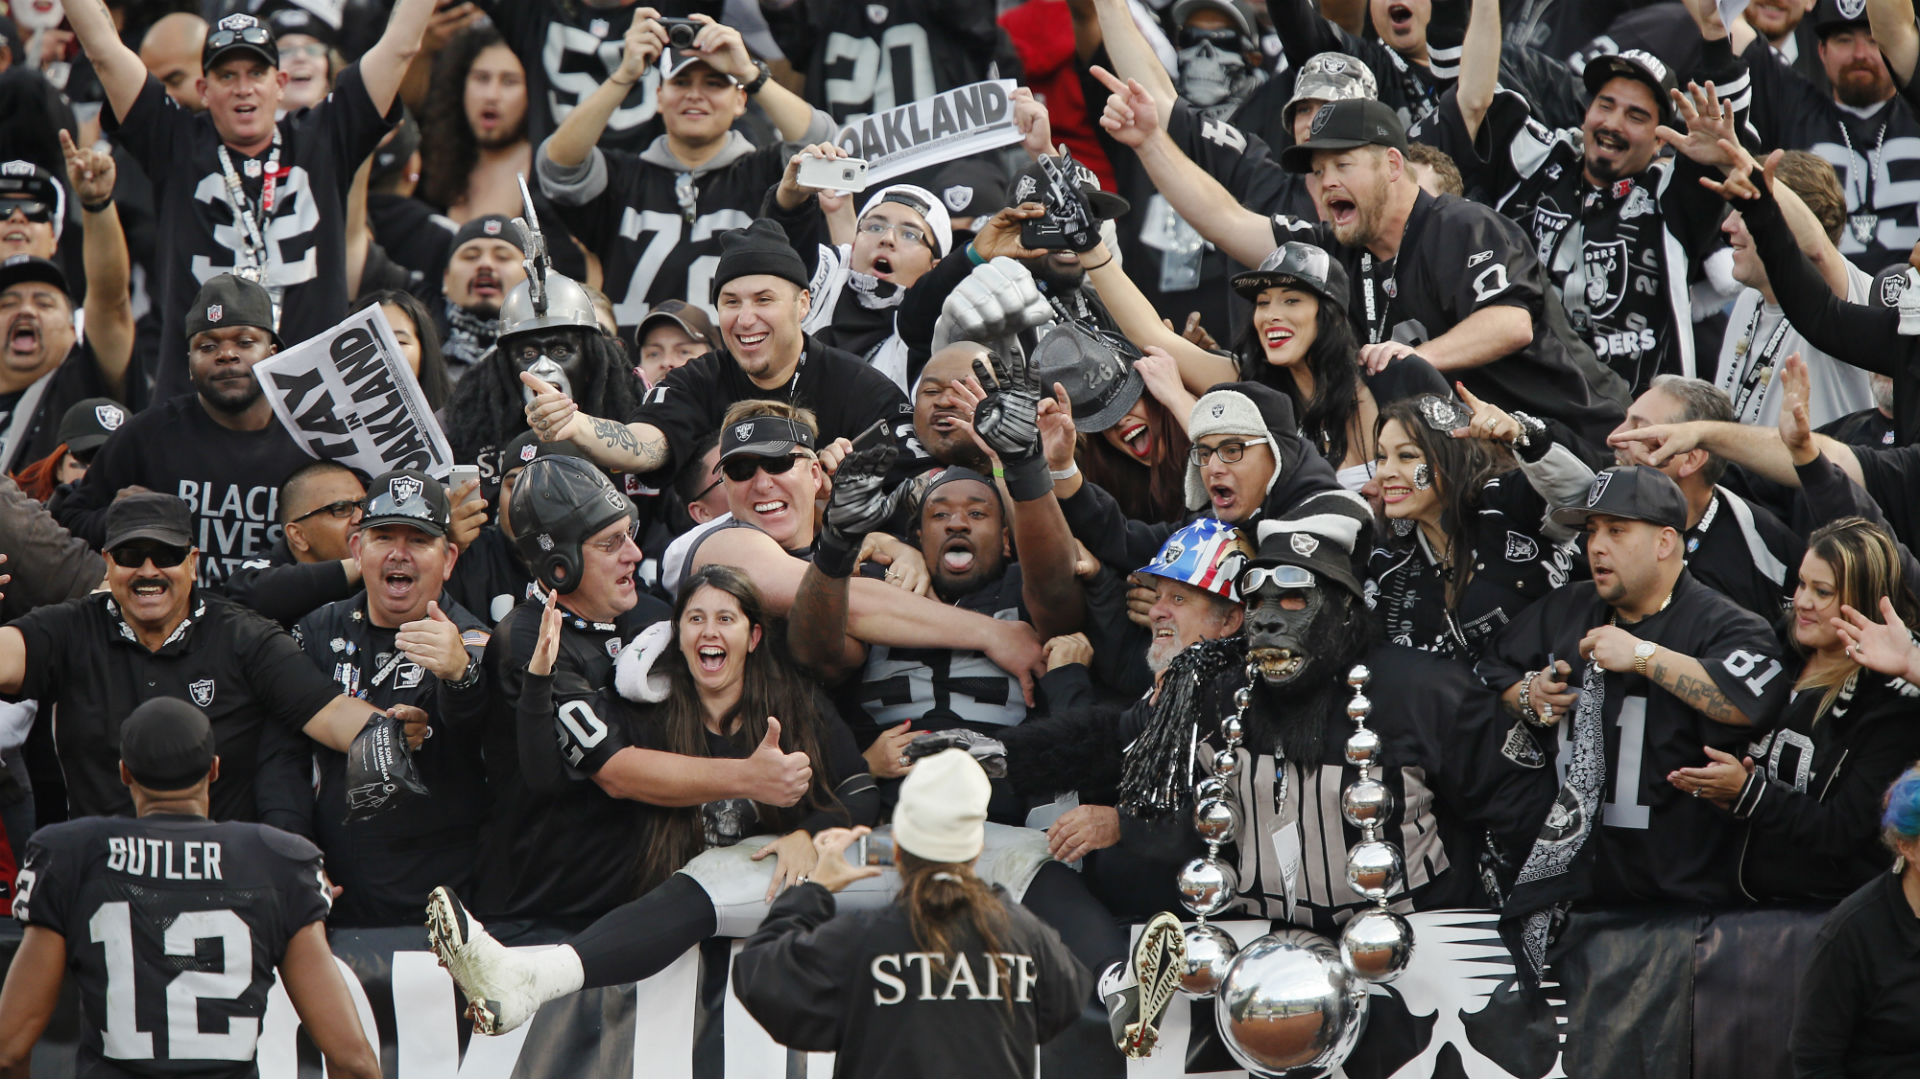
{"x": 1521, "y": 548}
{"x": 1320, "y": 119}
{"x": 1852, "y": 9}
{"x": 238, "y": 22}
{"x": 202, "y": 691}
{"x": 1304, "y": 544}
{"x": 215, "y": 313}
{"x": 1606, "y": 267}
{"x": 958, "y": 197}
{"x": 109, "y": 416}
{"x": 1891, "y": 289}
{"x": 546, "y": 542}
{"x": 1638, "y": 204}
{"x": 404, "y": 489}
{"x": 1218, "y": 410}
{"x": 1172, "y": 552}
{"x": 1024, "y": 189}
{"x": 1522, "y": 748}
{"x": 1598, "y": 489}
{"x": 408, "y": 676}
{"x": 742, "y": 431}
{"x": 615, "y": 499}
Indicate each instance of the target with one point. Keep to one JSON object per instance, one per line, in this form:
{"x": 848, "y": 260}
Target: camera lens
{"x": 680, "y": 36}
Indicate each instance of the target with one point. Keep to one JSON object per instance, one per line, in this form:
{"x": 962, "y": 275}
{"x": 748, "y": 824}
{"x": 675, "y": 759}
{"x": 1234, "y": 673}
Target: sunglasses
{"x": 339, "y": 509}
{"x": 1220, "y": 37}
{"x": 741, "y": 469}
{"x": 134, "y": 555}
{"x": 1284, "y": 577}
{"x": 31, "y": 209}
{"x": 252, "y": 35}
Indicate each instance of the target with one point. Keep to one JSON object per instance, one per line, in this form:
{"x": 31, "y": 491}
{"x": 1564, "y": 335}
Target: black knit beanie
{"x": 760, "y": 248}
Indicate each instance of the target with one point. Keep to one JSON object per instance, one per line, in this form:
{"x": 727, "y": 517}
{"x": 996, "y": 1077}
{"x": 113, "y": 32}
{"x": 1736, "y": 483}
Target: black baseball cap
{"x": 1297, "y": 265}
{"x": 228, "y": 300}
{"x": 166, "y": 744}
{"x": 764, "y": 436}
{"x": 149, "y": 516}
{"x": 1832, "y": 16}
{"x": 1635, "y": 492}
{"x": 21, "y": 179}
{"x": 1638, "y": 65}
{"x": 290, "y": 18}
{"x": 235, "y": 34}
{"x": 408, "y": 497}
{"x": 1099, "y": 379}
{"x": 19, "y": 268}
{"x": 1029, "y": 182}
{"x": 1344, "y": 125}
{"x": 86, "y": 424}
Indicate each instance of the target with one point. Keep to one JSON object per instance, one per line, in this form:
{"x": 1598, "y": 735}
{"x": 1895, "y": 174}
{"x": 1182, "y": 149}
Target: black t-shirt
{"x": 412, "y": 235}
{"x": 76, "y": 379}
{"x": 1861, "y": 988}
{"x": 868, "y": 58}
{"x": 200, "y": 232}
{"x": 229, "y": 479}
{"x": 1656, "y": 845}
{"x": 1868, "y": 427}
{"x": 1892, "y": 478}
{"x": 241, "y": 670}
{"x": 560, "y": 847}
{"x": 174, "y": 925}
{"x": 846, "y": 397}
{"x": 1744, "y": 552}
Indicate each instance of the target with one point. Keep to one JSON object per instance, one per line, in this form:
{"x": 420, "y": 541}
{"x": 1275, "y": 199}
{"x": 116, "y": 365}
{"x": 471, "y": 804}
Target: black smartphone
{"x": 871, "y": 436}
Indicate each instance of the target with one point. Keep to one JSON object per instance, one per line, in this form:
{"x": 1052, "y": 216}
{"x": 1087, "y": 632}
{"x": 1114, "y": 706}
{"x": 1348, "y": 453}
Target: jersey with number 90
{"x": 174, "y": 925}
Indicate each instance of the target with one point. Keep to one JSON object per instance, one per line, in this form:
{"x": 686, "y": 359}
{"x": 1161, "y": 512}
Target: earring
{"x": 1422, "y": 476}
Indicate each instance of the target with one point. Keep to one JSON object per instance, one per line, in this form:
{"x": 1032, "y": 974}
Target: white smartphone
{"x": 833, "y": 174}
{"x": 460, "y": 475}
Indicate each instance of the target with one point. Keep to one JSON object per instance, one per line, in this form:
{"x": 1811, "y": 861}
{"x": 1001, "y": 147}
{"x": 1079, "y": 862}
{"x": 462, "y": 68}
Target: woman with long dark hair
{"x": 1465, "y": 493}
{"x": 709, "y": 685}
{"x": 1141, "y": 458}
{"x": 952, "y": 979}
{"x": 1810, "y": 792}
{"x": 418, "y": 338}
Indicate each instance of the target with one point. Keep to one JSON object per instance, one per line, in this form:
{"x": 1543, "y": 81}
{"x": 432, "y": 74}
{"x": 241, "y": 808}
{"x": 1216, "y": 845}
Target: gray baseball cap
{"x": 1330, "y": 76}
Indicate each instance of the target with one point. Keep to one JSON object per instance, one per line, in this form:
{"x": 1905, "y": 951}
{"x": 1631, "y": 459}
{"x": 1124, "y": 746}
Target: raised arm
{"x": 726, "y": 52}
{"x": 1132, "y": 118}
{"x": 1894, "y": 32}
{"x": 109, "y": 309}
{"x": 1132, "y": 57}
{"x": 119, "y": 68}
{"x": 572, "y": 142}
{"x": 1199, "y": 369}
{"x": 1749, "y": 446}
{"x": 1479, "y": 64}
{"x": 385, "y": 65}
{"x": 858, "y": 505}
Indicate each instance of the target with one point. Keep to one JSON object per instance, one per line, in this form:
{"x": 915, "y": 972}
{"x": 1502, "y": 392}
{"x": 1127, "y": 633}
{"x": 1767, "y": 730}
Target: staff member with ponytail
{"x": 951, "y": 979}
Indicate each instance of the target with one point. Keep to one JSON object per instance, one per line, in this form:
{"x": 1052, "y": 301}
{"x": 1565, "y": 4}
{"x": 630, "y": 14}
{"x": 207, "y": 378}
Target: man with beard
{"x": 654, "y": 218}
{"x": 941, "y": 415}
{"x": 238, "y": 189}
{"x": 1859, "y": 126}
{"x": 474, "y": 128}
{"x": 484, "y": 263}
{"x": 219, "y": 448}
{"x": 1733, "y": 546}
{"x": 1651, "y": 664}
{"x": 402, "y": 641}
{"x": 1448, "y": 278}
{"x": 1619, "y": 229}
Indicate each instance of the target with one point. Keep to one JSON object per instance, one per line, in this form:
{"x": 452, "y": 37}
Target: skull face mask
{"x": 1210, "y": 75}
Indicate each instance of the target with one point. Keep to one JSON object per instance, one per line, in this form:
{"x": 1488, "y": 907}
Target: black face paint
{"x": 556, "y": 355}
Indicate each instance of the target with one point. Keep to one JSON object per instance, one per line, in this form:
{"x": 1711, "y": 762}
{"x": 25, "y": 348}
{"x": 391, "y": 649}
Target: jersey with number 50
{"x": 1657, "y": 844}
{"x": 174, "y": 925}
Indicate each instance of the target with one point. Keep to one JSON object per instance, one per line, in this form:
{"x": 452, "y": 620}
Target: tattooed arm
{"x": 635, "y": 448}
{"x": 1685, "y": 678}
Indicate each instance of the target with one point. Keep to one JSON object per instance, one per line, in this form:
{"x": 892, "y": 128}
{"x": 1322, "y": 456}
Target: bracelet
{"x": 973, "y": 255}
{"x": 617, "y": 82}
{"x": 1526, "y": 697}
{"x": 1102, "y": 266}
{"x": 1072, "y": 469}
{"x": 94, "y": 208}
{"x": 999, "y": 472}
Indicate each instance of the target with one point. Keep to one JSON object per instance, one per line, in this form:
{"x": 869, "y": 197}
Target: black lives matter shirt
{"x": 241, "y": 670}
{"x": 1656, "y": 843}
{"x": 862, "y": 58}
{"x": 174, "y": 925}
{"x": 229, "y": 479}
{"x": 570, "y": 47}
{"x": 200, "y": 234}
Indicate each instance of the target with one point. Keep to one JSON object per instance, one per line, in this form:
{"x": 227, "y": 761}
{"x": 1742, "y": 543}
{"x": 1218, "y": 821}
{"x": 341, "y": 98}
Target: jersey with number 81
{"x": 173, "y": 926}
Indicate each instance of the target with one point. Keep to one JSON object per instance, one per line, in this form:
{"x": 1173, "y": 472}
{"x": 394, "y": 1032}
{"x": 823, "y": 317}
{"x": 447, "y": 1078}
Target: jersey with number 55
{"x": 1656, "y": 843}
{"x": 174, "y": 925}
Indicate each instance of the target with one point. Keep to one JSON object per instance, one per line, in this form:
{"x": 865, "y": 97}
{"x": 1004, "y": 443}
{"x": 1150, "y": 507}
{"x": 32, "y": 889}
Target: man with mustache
{"x": 1619, "y": 228}
{"x": 484, "y": 263}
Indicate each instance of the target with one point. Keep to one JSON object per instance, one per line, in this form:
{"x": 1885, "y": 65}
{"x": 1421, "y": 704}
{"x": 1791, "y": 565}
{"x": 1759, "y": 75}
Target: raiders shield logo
{"x": 1172, "y": 552}
{"x": 958, "y": 197}
{"x": 1521, "y": 548}
{"x": 1548, "y": 224}
{"x": 215, "y": 313}
{"x": 742, "y": 431}
{"x": 1852, "y": 9}
{"x": 404, "y": 489}
{"x": 1320, "y": 118}
{"x": 1219, "y": 409}
{"x": 109, "y": 416}
{"x": 1598, "y": 489}
{"x": 615, "y": 499}
{"x": 1891, "y": 289}
{"x": 1522, "y": 748}
{"x": 202, "y": 691}
{"x": 1606, "y": 267}
{"x": 408, "y": 676}
{"x": 238, "y": 22}
{"x": 1304, "y": 544}
{"x": 546, "y": 542}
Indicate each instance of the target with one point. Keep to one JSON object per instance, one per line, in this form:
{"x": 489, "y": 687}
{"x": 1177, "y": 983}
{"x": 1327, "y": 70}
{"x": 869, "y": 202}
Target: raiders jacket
{"x": 859, "y": 984}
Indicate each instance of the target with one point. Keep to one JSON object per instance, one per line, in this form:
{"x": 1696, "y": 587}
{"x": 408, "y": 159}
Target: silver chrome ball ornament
{"x": 1292, "y": 1003}
{"x": 1208, "y": 884}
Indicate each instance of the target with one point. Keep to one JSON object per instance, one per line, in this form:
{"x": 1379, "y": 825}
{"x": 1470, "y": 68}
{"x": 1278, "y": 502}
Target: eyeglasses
{"x": 1229, "y": 452}
{"x": 877, "y": 227}
{"x": 1281, "y": 577}
{"x": 339, "y": 509}
{"x": 252, "y": 35}
{"x": 31, "y": 209}
{"x": 741, "y": 469}
{"x": 310, "y": 51}
{"x": 137, "y": 553}
{"x": 1220, "y": 37}
{"x": 612, "y": 544}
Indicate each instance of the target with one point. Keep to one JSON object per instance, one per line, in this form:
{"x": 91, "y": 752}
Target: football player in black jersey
{"x": 173, "y": 925}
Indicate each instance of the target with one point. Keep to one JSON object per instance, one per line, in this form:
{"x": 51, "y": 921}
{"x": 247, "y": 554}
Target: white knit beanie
{"x": 942, "y": 813}
{"x": 1223, "y": 412}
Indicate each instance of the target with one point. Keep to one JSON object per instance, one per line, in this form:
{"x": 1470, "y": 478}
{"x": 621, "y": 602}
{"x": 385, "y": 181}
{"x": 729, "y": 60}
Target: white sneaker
{"x": 498, "y": 982}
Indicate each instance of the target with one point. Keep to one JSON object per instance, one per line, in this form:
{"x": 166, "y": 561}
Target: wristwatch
{"x": 1641, "y": 654}
{"x": 753, "y": 86}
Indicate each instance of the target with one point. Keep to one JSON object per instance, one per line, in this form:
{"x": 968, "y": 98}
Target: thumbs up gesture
{"x": 434, "y": 643}
{"x": 774, "y": 776}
